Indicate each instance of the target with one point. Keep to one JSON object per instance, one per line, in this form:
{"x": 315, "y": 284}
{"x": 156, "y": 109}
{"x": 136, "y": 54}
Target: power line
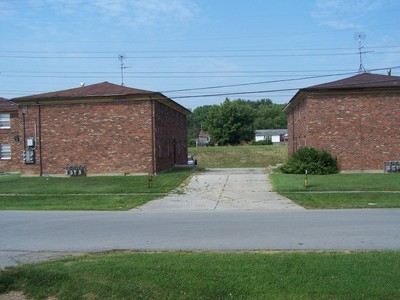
{"x": 197, "y": 50}
{"x": 255, "y": 83}
{"x": 236, "y": 93}
{"x": 260, "y": 82}
{"x": 192, "y": 56}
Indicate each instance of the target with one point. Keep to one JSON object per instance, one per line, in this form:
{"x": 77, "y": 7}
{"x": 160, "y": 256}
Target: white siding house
{"x": 276, "y": 136}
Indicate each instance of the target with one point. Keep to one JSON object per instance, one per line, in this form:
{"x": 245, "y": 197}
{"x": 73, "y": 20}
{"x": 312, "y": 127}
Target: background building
{"x": 276, "y": 136}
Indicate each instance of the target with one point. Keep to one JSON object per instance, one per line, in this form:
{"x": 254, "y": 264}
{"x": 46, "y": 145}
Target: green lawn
{"x": 207, "y": 275}
{"x": 85, "y": 193}
{"x": 340, "y": 190}
{"x": 126, "y": 192}
{"x": 239, "y": 156}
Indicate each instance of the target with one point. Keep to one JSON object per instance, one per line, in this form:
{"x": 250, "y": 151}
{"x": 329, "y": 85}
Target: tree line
{"x": 234, "y": 121}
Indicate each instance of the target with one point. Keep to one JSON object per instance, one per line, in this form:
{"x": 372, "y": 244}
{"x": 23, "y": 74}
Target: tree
{"x": 235, "y": 121}
{"x": 269, "y": 116}
{"x": 231, "y": 122}
{"x": 196, "y": 121}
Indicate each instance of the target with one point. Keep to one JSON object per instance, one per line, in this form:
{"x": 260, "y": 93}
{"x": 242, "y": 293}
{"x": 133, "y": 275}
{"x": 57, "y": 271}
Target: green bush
{"x": 262, "y": 142}
{"x": 192, "y": 143}
{"x": 318, "y": 162}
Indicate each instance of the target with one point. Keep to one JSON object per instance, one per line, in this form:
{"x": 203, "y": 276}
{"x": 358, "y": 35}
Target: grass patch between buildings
{"x": 239, "y": 156}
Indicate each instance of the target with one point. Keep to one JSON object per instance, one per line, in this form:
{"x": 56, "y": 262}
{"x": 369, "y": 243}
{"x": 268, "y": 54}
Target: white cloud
{"x": 346, "y": 14}
{"x": 148, "y": 12}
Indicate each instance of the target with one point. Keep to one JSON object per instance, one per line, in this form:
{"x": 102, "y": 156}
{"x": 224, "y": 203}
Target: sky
{"x": 196, "y": 52}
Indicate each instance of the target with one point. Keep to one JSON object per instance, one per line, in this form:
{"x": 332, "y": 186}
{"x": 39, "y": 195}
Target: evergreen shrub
{"x": 318, "y": 162}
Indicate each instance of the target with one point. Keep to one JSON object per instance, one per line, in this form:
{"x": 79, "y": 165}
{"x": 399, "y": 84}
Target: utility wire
{"x": 257, "y": 83}
{"x": 262, "y": 82}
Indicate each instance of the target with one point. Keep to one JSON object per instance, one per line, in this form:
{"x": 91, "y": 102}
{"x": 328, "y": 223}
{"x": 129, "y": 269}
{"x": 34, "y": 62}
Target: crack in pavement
{"x": 225, "y": 189}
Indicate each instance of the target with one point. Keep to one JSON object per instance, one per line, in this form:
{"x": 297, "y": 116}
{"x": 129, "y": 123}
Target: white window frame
{"x": 5, "y": 151}
{"x": 5, "y": 120}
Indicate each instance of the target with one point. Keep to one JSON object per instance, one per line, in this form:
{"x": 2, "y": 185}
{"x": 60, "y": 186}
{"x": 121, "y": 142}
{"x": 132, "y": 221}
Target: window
{"x": 5, "y": 121}
{"x": 5, "y": 151}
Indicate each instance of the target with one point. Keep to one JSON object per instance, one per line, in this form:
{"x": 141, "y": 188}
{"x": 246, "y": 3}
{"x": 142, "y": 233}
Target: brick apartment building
{"x": 98, "y": 129}
{"x": 356, "y": 119}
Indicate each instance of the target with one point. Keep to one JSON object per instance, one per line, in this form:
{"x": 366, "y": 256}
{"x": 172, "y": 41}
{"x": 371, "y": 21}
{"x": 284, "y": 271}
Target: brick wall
{"x": 171, "y": 137}
{"x": 360, "y": 129}
{"x": 108, "y": 138}
{"x": 297, "y": 126}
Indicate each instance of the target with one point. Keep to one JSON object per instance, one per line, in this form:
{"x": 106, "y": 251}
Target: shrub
{"x": 315, "y": 161}
{"x": 192, "y": 143}
{"x": 262, "y": 142}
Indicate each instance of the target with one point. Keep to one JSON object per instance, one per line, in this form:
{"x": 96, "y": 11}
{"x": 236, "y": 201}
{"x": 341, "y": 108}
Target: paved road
{"x": 29, "y": 236}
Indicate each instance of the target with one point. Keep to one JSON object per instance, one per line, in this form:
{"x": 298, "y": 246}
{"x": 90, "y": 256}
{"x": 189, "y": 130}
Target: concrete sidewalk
{"x": 225, "y": 189}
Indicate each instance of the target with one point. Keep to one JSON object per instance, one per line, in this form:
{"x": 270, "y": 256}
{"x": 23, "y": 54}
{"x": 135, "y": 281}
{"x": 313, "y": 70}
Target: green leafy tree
{"x": 235, "y": 121}
{"x": 196, "y": 121}
{"x": 230, "y": 123}
{"x": 270, "y": 116}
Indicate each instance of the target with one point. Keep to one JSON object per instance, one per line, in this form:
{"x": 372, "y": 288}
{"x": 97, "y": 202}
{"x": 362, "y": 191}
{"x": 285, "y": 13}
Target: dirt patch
{"x": 18, "y": 296}
{"x": 13, "y": 296}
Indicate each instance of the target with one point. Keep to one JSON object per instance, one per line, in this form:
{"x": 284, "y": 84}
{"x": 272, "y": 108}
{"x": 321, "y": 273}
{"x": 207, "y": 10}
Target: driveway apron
{"x": 224, "y": 189}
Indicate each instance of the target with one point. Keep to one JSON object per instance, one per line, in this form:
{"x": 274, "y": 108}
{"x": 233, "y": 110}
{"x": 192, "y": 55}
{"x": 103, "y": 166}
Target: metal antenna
{"x": 121, "y": 57}
{"x": 360, "y": 36}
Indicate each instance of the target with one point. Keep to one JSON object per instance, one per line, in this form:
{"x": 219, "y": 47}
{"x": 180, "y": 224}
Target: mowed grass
{"x": 85, "y": 193}
{"x": 239, "y": 156}
{"x": 340, "y": 190}
{"x": 208, "y": 275}
{"x": 323, "y": 191}
{"x": 126, "y": 192}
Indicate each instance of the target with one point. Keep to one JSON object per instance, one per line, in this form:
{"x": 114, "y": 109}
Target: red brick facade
{"x": 358, "y": 126}
{"x": 133, "y": 133}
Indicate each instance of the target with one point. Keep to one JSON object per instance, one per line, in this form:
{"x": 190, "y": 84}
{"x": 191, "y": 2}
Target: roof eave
{"x": 295, "y": 100}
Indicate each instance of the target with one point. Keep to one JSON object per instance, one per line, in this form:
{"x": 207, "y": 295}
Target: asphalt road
{"x": 30, "y": 236}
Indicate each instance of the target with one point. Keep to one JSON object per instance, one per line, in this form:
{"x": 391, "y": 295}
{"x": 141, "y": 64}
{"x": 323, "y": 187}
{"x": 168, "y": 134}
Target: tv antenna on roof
{"x": 122, "y": 57}
{"x": 360, "y": 36}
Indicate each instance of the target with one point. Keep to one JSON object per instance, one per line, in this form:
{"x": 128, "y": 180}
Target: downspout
{"x": 24, "y": 126}
{"x": 40, "y": 138}
{"x": 153, "y": 138}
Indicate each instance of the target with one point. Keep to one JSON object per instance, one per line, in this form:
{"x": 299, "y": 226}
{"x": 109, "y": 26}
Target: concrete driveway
{"x": 224, "y": 189}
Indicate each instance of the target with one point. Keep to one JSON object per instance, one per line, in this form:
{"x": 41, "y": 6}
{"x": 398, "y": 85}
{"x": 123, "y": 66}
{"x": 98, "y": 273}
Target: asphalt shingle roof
{"x": 357, "y": 82}
{"x": 363, "y": 80}
{"x": 6, "y": 105}
{"x": 98, "y": 89}
{"x": 270, "y": 132}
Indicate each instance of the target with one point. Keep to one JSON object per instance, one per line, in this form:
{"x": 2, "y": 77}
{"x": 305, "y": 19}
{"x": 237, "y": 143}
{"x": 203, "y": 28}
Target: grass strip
{"x": 207, "y": 275}
{"x": 85, "y": 193}
{"x": 340, "y": 190}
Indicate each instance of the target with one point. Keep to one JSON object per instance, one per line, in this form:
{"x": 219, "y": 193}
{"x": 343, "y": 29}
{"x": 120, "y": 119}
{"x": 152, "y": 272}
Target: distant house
{"x": 276, "y": 136}
{"x": 9, "y": 136}
{"x": 204, "y": 139}
{"x": 97, "y": 129}
{"x": 356, "y": 119}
